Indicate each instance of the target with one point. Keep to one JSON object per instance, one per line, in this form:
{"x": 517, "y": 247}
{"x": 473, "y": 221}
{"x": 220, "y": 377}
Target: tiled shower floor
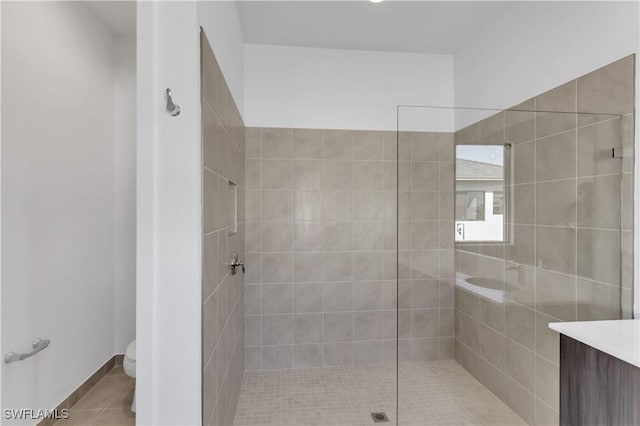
{"x": 431, "y": 393}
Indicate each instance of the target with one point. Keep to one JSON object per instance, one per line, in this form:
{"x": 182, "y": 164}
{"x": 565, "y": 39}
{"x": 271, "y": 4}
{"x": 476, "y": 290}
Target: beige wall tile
{"x": 368, "y": 235}
{"x": 425, "y": 176}
{"x": 492, "y": 378}
{"x": 253, "y": 145}
{"x": 520, "y": 364}
{"x": 389, "y": 146}
{"x": 338, "y": 266}
{"x": 595, "y": 143}
{"x": 599, "y": 202}
{"x": 561, "y": 99}
{"x": 492, "y": 346}
{"x": 425, "y": 349}
{"x": 338, "y": 326}
{"x": 368, "y": 145}
{"x": 305, "y": 356}
{"x": 555, "y": 249}
{"x": 253, "y": 205}
{"x": 338, "y": 296}
{"x": 367, "y": 325}
{"x": 209, "y": 264}
{"x": 307, "y": 236}
{"x": 277, "y": 143}
{"x": 368, "y": 175}
{"x": 492, "y": 314}
{"x": 277, "y": 205}
{"x": 546, "y": 415}
{"x": 223, "y": 159}
{"x": 599, "y": 255}
{"x": 520, "y": 324}
{"x": 404, "y": 146}
{"x": 563, "y": 252}
{"x": 520, "y": 400}
{"x": 277, "y": 236}
{"x": 597, "y": 301}
{"x": 367, "y": 265}
{"x": 524, "y": 199}
{"x": 308, "y": 297}
{"x": 520, "y": 122}
{"x": 547, "y": 340}
{"x": 338, "y": 144}
{"x": 338, "y": 175}
{"x": 368, "y": 352}
{"x": 547, "y": 382}
{"x": 608, "y": 89}
{"x": 446, "y": 147}
{"x": 276, "y": 357}
{"x": 338, "y": 353}
{"x": 307, "y": 175}
{"x": 492, "y": 129}
{"x": 307, "y": 144}
{"x": 521, "y": 250}
{"x": 338, "y": 235}
{"x": 307, "y": 267}
{"x": 277, "y": 299}
{"x": 556, "y": 157}
{"x": 368, "y": 205}
{"x": 425, "y": 205}
{"x": 277, "y": 174}
{"x": 276, "y": 330}
{"x": 308, "y": 328}
{"x": 307, "y": 206}
{"x": 424, "y": 146}
{"x": 277, "y": 267}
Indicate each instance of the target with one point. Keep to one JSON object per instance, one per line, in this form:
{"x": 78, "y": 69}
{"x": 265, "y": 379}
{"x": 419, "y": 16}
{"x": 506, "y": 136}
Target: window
{"x": 470, "y": 206}
{"x": 498, "y": 199}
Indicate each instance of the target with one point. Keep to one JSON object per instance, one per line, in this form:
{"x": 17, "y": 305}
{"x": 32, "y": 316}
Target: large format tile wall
{"x": 321, "y": 247}
{"x": 569, "y": 255}
{"x": 222, "y": 293}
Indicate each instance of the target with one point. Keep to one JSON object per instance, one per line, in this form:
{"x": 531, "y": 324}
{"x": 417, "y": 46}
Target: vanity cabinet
{"x": 596, "y": 388}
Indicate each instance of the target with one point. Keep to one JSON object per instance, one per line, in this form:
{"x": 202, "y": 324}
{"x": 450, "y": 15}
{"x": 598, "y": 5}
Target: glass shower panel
{"x": 507, "y": 220}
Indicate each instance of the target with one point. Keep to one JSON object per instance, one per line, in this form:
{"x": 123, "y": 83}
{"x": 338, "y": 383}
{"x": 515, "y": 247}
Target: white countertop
{"x": 618, "y": 338}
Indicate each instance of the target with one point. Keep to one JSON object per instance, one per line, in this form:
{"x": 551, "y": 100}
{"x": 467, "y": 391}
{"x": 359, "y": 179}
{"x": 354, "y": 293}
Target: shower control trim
{"x": 234, "y": 264}
{"x": 38, "y": 345}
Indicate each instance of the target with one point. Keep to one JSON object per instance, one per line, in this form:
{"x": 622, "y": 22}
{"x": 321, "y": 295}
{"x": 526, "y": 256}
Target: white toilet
{"x": 129, "y": 366}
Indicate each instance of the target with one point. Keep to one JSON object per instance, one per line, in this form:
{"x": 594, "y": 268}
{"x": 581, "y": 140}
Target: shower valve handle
{"x": 234, "y": 263}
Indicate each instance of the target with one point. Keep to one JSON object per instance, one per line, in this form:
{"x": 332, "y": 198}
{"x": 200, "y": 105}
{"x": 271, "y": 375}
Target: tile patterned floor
{"x": 108, "y": 403}
{"x": 431, "y": 393}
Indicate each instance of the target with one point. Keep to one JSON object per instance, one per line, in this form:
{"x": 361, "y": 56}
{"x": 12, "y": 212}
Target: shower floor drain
{"x": 379, "y": 417}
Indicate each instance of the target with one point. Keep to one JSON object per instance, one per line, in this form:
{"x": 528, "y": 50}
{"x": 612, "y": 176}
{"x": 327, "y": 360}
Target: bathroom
{"x": 314, "y": 212}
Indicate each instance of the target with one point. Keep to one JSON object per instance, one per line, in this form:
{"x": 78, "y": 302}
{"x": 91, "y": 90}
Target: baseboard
{"x": 75, "y": 396}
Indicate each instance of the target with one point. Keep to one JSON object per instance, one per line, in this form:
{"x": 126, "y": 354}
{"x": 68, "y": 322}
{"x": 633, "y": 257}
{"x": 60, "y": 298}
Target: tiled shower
{"x": 570, "y": 255}
{"x": 223, "y": 233}
{"x": 322, "y": 240}
{"x": 350, "y": 242}
{"x": 354, "y": 300}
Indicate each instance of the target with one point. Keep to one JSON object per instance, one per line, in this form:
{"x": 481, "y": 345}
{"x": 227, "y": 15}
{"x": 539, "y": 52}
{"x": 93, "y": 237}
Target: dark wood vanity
{"x": 596, "y": 388}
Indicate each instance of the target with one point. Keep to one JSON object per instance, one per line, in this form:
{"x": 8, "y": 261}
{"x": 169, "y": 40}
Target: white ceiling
{"x": 119, "y": 16}
{"x": 437, "y": 27}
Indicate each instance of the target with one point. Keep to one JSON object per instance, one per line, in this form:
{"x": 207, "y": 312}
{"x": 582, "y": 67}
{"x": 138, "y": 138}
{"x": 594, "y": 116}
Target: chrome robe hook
{"x": 173, "y": 109}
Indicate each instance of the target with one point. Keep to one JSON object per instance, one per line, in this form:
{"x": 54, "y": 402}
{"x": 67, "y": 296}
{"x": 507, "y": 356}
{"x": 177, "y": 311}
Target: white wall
{"x": 222, "y": 25}
{"x": 169, "y": 229}
{"x": 535, "y": 46}
{"x": 124, "y": 175}
{"x": 57, "y": 198}
{"x": 68, "y": 196}
{"x": 343, "y": 89}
